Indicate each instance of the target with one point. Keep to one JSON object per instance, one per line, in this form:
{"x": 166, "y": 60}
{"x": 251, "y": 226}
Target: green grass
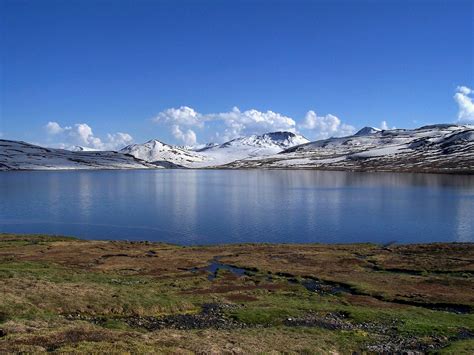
{"x": 459, "y": 347}
{"x": 38, "y": 293}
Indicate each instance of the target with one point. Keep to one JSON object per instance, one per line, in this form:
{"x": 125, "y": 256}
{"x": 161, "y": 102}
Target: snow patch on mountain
{"x": 23, "y": 156}
{"x": 78, "y": 148}
{"x": 435, "y": 148}
{"x": 212, "y": 155}
{"x": 248, "y": 147}
{"x": 156, "y": 151}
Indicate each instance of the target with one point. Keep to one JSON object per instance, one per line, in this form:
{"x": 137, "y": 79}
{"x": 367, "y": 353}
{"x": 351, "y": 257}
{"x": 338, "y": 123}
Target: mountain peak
{"x": 282, "y": 139}
{"x": 155, "y": 142}
{"x": 367, "y": 130}
{"x": 280, "y": 135}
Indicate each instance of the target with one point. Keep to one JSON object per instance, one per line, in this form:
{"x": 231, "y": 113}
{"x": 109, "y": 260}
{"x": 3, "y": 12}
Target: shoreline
{"x": 236, "y": 244}
{"x": 394, "y": 171}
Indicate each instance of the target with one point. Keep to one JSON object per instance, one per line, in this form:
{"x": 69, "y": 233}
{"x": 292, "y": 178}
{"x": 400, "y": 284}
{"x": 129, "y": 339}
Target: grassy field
{"x": 69, "y": 295}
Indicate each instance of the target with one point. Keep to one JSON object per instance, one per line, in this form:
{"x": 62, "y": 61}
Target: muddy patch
{"x": 388, "y": 338}
{"x": 392, "y": 342}
{"x": 331, "y": 321}
{"x": 212, "y": 315}
{"x": 319, "y": 286}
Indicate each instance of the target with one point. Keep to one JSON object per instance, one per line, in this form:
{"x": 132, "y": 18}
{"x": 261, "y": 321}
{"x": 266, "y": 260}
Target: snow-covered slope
{"x": 79, "y": 148}
{"x": 23, "y": 156}
{"x": 156, "y": 151}
{"x": 212, "y": 155}
{"x": 436, "y": 148}
{"x": 250, "y": 146}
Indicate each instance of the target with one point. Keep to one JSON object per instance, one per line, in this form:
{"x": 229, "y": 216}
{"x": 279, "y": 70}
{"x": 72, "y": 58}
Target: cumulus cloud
{"x": 252, "y": 121}
{"x": 53, "y": 128}
{"x": 81, "y": 134}
{"x": 184, "y": 121}
{"x": 118, "y": 140}
{"x": 183, "y": 115}
{"x": 188, "y": 137}
{"x": 227, "y": 125}
{"x": 465, "y": 104}
{"x": 464, "y": 90}
{"x": 384, "y": 126}
{"x": 325, "y": 126}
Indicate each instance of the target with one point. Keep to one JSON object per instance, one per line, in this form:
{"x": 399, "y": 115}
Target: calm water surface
{"x": 228, "y": 206}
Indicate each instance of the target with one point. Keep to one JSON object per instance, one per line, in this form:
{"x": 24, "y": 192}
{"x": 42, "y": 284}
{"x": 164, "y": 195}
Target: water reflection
{"x": 213, "y": 206}
{"x": 465, "y": 220}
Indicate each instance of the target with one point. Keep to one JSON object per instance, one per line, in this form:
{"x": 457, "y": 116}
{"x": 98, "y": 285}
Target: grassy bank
{"x": 64, "y": 294}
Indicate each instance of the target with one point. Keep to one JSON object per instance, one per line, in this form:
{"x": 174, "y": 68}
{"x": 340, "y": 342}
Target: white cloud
{"x": 325, "y": 126}
{"x": 53, "y": 128}
{"x": 252, "y": 121}
{"x": 227, "y": 125}
{"x": 118, "y": 140}
{"x": 80, "y": 134}
{"x": 234, "y": 123}
{"x": 465, "y": 104}
{"x": 183, "y": 115}
{"x": 464, "y": 90}
{"x": 384, "y": 125}
{"x": 188, "y": 137}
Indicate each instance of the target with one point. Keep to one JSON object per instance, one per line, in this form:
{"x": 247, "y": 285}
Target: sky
{"x": 106, "y": 73}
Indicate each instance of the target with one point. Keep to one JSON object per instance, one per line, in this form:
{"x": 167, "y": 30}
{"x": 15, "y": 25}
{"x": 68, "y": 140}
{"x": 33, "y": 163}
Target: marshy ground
{"x": 65, "y": 295}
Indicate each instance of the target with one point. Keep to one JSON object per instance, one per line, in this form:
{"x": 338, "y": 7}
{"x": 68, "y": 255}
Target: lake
{"x": 232, "y": 206}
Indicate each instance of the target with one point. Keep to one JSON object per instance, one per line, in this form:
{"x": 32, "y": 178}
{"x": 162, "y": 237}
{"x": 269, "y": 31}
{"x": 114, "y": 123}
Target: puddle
{"x": 215, "y": 265}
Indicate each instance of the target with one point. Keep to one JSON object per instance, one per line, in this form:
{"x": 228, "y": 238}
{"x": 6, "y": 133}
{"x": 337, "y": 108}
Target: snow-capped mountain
{"x": 250, "y": 146}
{"x": 273, "y": 140}
{"x": 367, "y": 130}
{"x": 156, "y": 151}
{"x": 212, "y": 155}
{"x": 23, "y": 156}
{"x": 436, "y": 148}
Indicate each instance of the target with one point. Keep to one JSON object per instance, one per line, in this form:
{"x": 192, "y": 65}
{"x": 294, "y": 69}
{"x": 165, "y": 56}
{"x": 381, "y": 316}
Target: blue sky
{"x": 178, "y": 70}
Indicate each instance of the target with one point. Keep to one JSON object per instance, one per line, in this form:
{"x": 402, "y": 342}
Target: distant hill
{"x": 24, "y": 156}
{"x": 435, "y": 148}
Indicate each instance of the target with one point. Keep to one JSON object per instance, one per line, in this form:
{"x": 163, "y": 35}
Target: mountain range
{"x": 435, "y": 148}
{"x": 213, "y": 155}
{"x": 16, "y": 155}
{"x": 443, "y": 148}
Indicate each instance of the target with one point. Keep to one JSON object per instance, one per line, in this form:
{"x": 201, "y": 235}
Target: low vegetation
{"x": 69, "y": 295}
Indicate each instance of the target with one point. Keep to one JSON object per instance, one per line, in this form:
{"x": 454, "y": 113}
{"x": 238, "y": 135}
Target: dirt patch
{"x": 331, "y": 321}
{"x": 388, "y": 337}
{"x": 212, "y": 315}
